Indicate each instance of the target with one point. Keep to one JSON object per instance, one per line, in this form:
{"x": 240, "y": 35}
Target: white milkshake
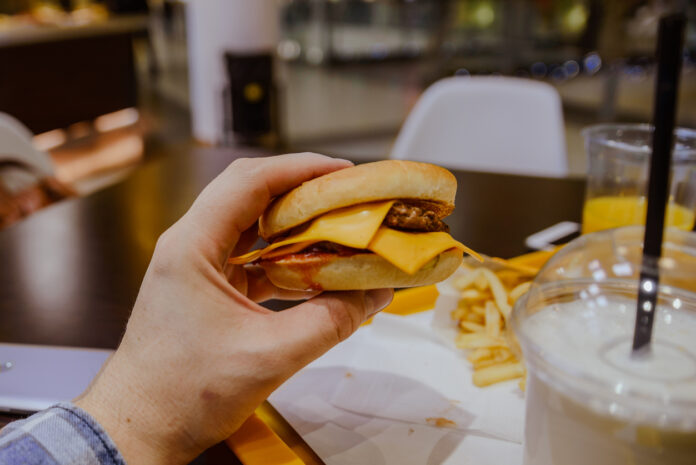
{"x": 589, "y": 401}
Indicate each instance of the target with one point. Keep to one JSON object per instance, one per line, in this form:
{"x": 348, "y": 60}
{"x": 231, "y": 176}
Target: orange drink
{"x": 618, "y": 156}
{"x": 612, "y": 212}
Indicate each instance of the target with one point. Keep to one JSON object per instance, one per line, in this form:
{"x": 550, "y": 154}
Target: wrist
{"x": 141, "y": 432}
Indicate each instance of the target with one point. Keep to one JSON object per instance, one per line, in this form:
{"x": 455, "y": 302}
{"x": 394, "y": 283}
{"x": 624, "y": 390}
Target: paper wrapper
{"x": 398, "y": 391}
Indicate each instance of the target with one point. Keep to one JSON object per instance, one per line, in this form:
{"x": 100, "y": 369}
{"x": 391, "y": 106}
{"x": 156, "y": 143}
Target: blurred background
{"x": 106, "y": 86}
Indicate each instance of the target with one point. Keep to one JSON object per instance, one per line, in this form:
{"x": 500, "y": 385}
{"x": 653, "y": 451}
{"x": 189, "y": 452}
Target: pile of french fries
{"x": 486, "y": 302}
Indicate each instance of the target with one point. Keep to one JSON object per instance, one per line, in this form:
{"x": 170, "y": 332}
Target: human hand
{"x": 198, "y": 355}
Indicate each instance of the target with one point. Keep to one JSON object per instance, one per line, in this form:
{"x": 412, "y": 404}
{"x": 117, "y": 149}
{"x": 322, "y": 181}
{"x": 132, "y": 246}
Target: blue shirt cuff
{"x": 61, "y": 435}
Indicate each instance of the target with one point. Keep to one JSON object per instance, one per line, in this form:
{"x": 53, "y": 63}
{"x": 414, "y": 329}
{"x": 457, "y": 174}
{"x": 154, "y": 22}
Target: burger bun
{"x": 332, "y": 272}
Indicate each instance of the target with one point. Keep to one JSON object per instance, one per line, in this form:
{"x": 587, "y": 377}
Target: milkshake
{"x": 589, "y": 399}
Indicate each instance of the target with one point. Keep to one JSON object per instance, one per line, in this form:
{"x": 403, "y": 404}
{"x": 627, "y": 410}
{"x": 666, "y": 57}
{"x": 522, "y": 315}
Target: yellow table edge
{"x": 266, "y": 438}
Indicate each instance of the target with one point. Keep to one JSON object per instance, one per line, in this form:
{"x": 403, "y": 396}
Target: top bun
{"x": 370, "y": 182}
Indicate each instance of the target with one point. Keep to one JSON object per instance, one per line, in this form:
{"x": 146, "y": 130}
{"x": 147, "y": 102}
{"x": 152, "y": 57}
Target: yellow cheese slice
{"x": 410, "y": 251}
{"x": 288, "y": 249}
{"x": 351, "y": 226}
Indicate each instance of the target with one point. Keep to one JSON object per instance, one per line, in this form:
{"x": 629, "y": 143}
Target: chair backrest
{"x": 495, "y": 124}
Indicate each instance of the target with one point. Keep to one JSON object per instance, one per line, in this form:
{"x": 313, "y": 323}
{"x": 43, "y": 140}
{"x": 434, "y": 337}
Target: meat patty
{"x": 332, "y": 247}
{"x": 410, "y": 217}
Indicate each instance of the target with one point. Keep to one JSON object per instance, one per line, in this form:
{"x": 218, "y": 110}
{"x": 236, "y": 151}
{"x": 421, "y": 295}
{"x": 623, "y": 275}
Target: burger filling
{"x": 332, "y": 248}
{"x": 411, "y": 216}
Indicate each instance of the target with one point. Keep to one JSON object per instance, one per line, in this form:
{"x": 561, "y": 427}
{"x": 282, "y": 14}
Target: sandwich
{"x": 376, "y": 225}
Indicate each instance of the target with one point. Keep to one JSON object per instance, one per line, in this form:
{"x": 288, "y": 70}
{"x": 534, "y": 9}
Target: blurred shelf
{"x": 30, "y": 34}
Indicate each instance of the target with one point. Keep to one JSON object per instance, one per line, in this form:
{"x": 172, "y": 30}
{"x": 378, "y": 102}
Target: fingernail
{"x": 378, "y": 299}
{"x": 345, "y": 160}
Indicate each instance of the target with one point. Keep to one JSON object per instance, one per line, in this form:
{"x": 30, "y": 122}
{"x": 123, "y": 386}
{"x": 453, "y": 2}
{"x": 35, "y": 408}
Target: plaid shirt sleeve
{"x": 61, "y": 435}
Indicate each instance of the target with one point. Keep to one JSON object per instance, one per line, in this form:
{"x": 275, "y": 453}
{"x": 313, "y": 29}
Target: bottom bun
{"x": 360, "y": 271}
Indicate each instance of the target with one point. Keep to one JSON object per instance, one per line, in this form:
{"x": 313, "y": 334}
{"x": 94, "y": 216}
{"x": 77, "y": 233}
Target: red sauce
{"x": 311, "y": 254}
{"x": 308, "y": 262}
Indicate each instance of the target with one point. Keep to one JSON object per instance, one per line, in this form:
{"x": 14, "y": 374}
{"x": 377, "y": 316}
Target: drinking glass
{"x": 617, "y": 178}
{"x": 589, "y": 399}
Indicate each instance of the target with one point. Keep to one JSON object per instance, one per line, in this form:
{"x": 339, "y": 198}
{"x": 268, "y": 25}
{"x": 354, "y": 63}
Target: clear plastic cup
{"x": 617, "y": 177}
{"x": 588, "y": 399}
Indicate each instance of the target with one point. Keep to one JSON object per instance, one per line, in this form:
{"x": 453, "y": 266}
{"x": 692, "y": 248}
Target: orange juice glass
{"x": 617, "y": 178}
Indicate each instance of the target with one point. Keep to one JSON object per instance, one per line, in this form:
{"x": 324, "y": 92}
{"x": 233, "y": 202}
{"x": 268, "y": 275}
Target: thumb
{"x": 310, "y": 329}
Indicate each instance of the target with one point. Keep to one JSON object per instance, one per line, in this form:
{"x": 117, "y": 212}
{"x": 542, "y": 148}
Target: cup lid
{"x": 575, "y": 327}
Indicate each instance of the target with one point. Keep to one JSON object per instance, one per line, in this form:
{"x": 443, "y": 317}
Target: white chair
{"x": 494, "y": 124}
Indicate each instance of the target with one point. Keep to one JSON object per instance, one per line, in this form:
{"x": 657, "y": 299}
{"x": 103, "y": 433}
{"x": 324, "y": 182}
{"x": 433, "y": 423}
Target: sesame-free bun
{"x": 370, "y": 182}
{"x": 331, "y": 272}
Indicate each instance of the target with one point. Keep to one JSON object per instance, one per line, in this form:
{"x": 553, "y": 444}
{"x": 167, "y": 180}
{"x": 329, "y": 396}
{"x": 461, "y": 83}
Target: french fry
{"x": 487, "y": 362}
{"x": 508, "y": 277}
{"x": 477, "y": 340}
{"x": 479, "y": 310}
{"x": 502, "y": 352}
{"x": 497, "y": 355}
{"x": 471, "y": 326}
{"x": 497, "y": 373}
{"x": 526, "y": 270}
{"x": 486, "y": 303}
{"x": 499, "y": 294}
{"x": 472, "y": 294}
{"x": 459, "y": 312}
{"x": 519, "y": 290}
{"x": 479, "y": 354}
{"x": 480, "y": 282}
{"x": 492, "y": 320}
{"x": 474, "y": 317}
{"x": 464, "y": 304}
{"x": 467, "y": 268}
{"x": 466, "y": 280}
{"x": 491, "y": 362}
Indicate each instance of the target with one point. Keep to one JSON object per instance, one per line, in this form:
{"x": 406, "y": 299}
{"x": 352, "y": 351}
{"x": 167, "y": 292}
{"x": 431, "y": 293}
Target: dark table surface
{"x": 70, "y": 273}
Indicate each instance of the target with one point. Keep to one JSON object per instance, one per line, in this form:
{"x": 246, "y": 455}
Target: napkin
{"x": 399, "y": 392}
{"x": 403, "y": 372}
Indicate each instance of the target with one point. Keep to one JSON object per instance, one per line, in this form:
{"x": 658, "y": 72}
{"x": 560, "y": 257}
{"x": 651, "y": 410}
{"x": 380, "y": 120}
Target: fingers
{"x": 246, "y": 240}
{"x": 234, "y": 200}
{"x": 310, "y": 329}
{"x": 237, "y": 277}
{"x": 260, "y": 288}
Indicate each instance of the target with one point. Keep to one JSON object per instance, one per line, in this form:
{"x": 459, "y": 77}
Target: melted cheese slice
{"x": 410, "y": 251}
{"x": 351, "y": 226}
{"x": 288, "y": 249}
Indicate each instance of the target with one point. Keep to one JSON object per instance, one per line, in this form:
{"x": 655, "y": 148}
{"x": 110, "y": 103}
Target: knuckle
{"x": 244, "y": 165}
{"x": 345, "y": 317}
{"x": 248, "y": 174}
{"x": 167, "y": 253}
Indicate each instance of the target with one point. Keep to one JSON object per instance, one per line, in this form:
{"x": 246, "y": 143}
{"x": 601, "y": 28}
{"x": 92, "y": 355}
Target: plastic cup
{"x": 589, "y": 400}
{"x": 617, "y": 177}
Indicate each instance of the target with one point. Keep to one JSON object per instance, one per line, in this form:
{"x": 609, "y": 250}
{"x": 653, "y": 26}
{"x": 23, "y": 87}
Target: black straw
{"x": 669, "y": 57}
